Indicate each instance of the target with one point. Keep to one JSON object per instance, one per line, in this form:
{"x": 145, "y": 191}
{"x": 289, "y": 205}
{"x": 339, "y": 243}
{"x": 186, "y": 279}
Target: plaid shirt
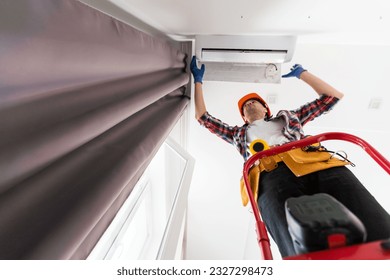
{"x": 294, "y": 121}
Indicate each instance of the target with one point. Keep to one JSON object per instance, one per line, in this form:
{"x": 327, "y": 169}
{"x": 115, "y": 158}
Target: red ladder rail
{"x": 262, "y": 236}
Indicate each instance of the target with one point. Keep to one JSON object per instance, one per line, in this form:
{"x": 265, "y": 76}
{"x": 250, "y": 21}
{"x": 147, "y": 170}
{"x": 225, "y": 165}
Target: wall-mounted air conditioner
{"x": 254, "y": 59}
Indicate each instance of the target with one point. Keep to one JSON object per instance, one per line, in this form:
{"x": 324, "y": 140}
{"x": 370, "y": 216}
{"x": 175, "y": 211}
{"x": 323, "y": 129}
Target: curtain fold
{"x": 67, "y": 199}
{"x": 85, "y": 103}
{"x": 53, "y": 130}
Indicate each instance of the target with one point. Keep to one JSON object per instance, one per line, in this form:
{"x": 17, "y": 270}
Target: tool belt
{"x": 301, "y": 161}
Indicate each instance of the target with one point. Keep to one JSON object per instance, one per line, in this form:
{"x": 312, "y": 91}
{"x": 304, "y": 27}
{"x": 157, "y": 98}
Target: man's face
{"x": 253, "y": 110}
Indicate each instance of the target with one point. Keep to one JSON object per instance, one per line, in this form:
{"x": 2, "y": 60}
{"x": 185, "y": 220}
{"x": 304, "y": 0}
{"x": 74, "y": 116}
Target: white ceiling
{"x": 325, "y": 20}
{"x": 347, "y": 43}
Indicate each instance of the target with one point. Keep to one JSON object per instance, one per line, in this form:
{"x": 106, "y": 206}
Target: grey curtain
{"x": 85, "y": 103}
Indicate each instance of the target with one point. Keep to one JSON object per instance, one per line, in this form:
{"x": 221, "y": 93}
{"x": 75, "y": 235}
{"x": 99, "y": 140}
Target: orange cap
{"x": 250, "y": 96}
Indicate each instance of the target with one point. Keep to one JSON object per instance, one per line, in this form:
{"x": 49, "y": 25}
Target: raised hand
{"x": 296, "y": 71}
{"x": 196, "y": 72}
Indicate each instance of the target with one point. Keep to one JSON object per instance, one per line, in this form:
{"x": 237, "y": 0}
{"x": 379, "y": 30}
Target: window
{"x": 150, "y": 223}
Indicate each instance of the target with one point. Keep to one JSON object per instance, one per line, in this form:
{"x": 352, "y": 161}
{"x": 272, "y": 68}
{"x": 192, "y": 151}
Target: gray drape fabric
{"x": 85, "y": 103}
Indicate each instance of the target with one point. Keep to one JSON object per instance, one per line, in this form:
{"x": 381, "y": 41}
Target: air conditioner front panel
{"x": 242, "y": 72}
